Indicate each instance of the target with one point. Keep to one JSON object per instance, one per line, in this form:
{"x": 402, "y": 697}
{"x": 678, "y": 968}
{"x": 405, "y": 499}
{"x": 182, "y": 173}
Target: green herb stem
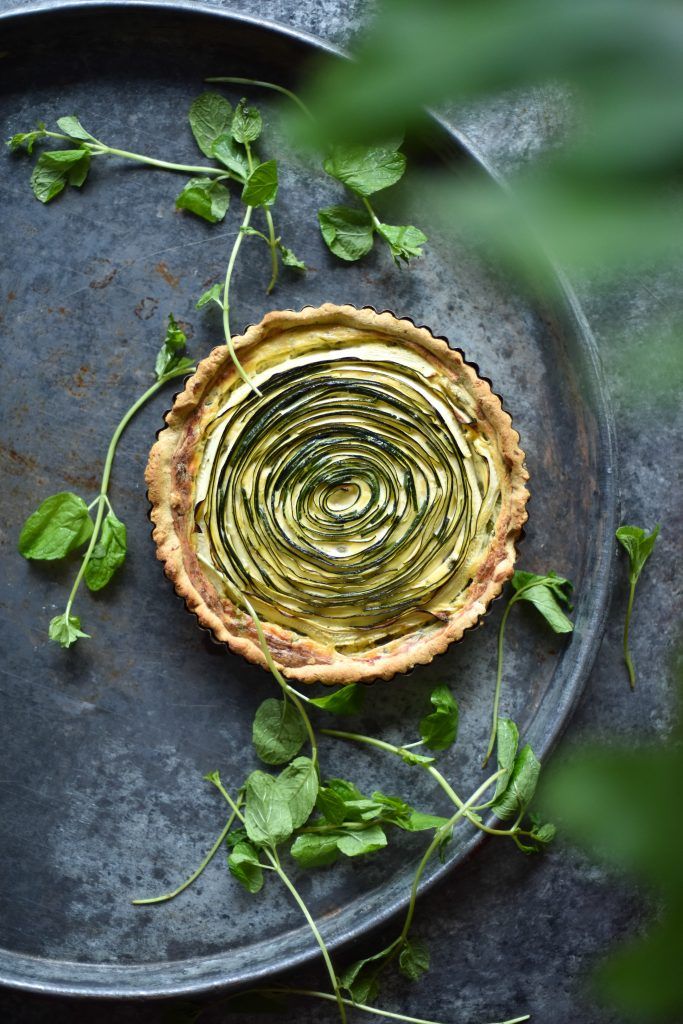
{"x": 434, "y": 845}
{"x": 266, "y": 85}
{"x": 102, "y": 499}
{"x": 499, "y": 681}
{"x": 195, "y": 875}
{"x": 465, "y": 806}
{"x": 226, "y": 301}
{"x": 272, "y": 245}
{"x": 101, "y": 149}
{"x": 311, "y": 993}
{"x": 373, "y": 216}
{"x": 499, "y": 669}
{"x": 270, "y": 239}
{"x": 284, "y": 878}
{"x": 295, "y": 697}
{"x": 627, "y": 652}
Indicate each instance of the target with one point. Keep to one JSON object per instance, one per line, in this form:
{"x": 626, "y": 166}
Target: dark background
{"x": 509, "y": 934}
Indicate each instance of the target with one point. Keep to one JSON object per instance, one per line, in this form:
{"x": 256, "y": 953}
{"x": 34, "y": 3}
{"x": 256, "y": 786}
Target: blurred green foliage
{"x": 622, "y": 804}
{"x": 606, "y": 197}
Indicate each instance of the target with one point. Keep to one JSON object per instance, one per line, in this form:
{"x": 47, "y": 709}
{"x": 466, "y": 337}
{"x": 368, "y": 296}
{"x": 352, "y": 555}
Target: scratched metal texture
{"x": 103, "y": 747}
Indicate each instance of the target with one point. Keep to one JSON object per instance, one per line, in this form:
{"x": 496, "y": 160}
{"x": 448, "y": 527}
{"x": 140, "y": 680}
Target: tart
{"x": 365, "y": 503}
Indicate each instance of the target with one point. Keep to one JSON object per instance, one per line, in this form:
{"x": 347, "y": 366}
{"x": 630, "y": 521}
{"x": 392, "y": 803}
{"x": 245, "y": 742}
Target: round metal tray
{"x": 104, "y": 746}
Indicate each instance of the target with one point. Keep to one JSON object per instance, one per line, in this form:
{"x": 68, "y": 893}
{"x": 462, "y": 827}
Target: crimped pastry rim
{"x": 168, "y": 503}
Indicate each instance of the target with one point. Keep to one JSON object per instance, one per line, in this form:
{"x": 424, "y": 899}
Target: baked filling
{"x": 365, "y": 503}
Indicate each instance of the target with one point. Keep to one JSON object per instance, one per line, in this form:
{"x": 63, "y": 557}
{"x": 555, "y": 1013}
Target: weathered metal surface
{"x": 103, "y": 747}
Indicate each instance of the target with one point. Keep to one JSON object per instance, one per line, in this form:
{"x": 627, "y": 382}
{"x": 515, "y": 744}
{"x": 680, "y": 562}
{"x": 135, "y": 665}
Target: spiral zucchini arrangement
{"x": 366, "y": 503}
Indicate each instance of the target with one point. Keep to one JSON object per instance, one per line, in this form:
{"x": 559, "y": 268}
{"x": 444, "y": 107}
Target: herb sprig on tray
{"x": 349, "y": 231}
{"x": 638, "y": 545}
{"x": 62, "y": 523}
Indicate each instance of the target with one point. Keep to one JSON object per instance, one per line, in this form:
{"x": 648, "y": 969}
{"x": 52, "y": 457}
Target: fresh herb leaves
{"x": 210, "y": 117}
{"x": 246, "y": 867}
{"x": 439, "y": 730}
{"x": 297, "y": 786}
{"x": 57, "y": 169}
{"x": 347, "y": 700}
{"x": 108, "y": 555}
{"x": 27, "y": 140}
{"x": 278, "y": 732}
{"x": 267, "y": 817}
{"x": 59, "y": 525}
{"x": 348, "y": 233}
{"x": 521, "y": 785}
{"x": 66, "y": 629}
{"x": 246, "y": 123}
{"x": 548, "y": 594}
{"x": 639, "y": 546}
{"x": 62, "y": 523}
{"x": 365, "y": 170}
{"x": 170, "y": 359}
{"x": 261, "y": 186}
{"x": 205, "y": 197}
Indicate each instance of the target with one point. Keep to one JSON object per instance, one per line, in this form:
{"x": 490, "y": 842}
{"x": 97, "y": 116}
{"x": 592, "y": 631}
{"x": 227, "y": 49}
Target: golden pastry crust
{"x": 173, "y": 470}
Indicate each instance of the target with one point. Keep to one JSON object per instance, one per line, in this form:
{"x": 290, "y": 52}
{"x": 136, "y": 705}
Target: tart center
{"x": 353, "y": 499}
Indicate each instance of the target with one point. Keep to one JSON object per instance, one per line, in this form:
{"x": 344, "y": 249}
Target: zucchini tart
{"x": 364, "y": 501}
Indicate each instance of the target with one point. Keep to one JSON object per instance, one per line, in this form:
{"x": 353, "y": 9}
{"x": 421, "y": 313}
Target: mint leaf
{"x": 362, "y": 810}
{"x": 245, "y": 866}
{"x": 547, "y": 594}
{"x": 331, "y": 805}
{"x": 366, "y": 169}
{"x": 360, "y": 978}
{"x": 72, "y": 127}
{"x": 205, "y": 197}
{"x": 639, "y": 545}
{"x": 213, "y": 294}
{"x": 60, "y": 524}
{"x": 246, "y": 123}
{"x": 438, "y": 730}
{"x": 347, "y": 700}
{"x": 367, "y": 840}
{"x": 108, "y": 554}
{"x": 507, "y": 740}
{"x": 260, "y": 188}
{"x": 27, "y": 140}
{"x": 521, "y": 787}
{"x": 348, "y": 233}
{"x": 346, "y": 790}
{"x": 544, "y": 833}
{"x": 231, "y": 155}
{"x": 393, "y": 809}
{"x": 289, "y": 259}
{"x": 267, "y": 817}
{"x": 413, "y": 960}
{"x": 66, "y": 630}
{"x": 210, "y": 116}
{"x": 297, "y": 785}
{"x": 419, "y": 822}
{"x": 278, "y": 733}
{"x": 311, "y": 850}
{"x": 405, "y": 242}
{"x": 235, "y": 835}
{"x": 169, "y": 358}
{"x": 58, "y": 168}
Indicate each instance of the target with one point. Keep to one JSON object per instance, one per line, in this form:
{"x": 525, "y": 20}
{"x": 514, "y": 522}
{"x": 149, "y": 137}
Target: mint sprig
{"x": 62, "y": 523}
{"x": 638, "y": 545}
